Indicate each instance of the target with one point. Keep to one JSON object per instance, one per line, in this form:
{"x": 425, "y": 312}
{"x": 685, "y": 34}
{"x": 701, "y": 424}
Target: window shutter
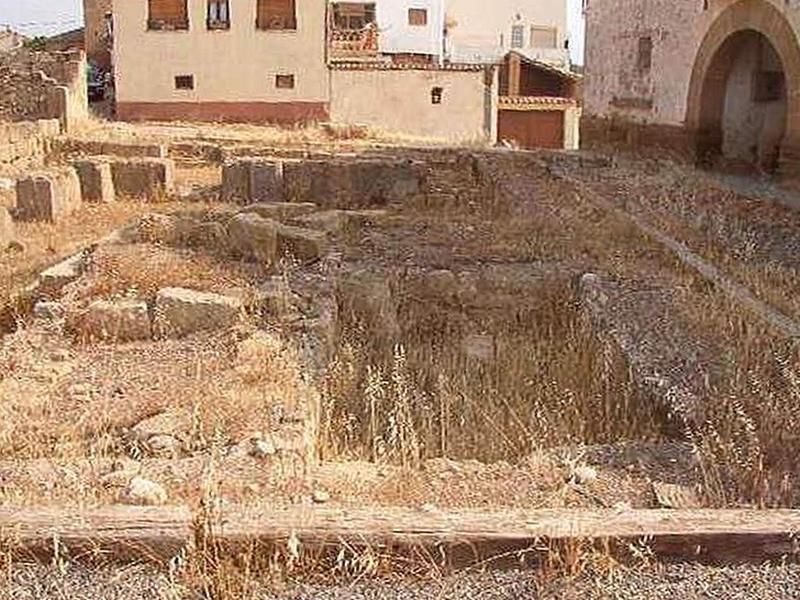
{"x": 276, "y": 14}
{"x": 168, "y": 10}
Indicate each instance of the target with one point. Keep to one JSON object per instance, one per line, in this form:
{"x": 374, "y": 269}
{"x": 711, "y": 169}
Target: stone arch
{"x": 713, "y": 64}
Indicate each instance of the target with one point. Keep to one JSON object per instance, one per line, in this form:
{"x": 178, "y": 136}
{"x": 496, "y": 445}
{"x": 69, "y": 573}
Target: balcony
{"x": 349, "y": 44}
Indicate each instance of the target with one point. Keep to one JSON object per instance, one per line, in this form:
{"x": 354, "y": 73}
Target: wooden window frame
{"x": 165, "y": 24}
{"x": 415, "y": 12}
{"x": 218, "y": 24}
{"x": 277, "y": 22}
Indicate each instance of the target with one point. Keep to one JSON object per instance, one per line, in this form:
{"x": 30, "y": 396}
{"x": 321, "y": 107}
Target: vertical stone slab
{"x": 6, "y": 229}
{"x": 97, "y": 184}
{"x": 266, "y": 181}
{"x": 236, "y": 182}
{"x": 48, "y": 196}
{"x": 147, "y": 178}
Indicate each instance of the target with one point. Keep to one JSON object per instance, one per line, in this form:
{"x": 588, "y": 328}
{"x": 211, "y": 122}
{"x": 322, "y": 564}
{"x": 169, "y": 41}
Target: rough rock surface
{"x": 180, "y": 312}
{"x": 97, "y": 184}
{"x": 122, "y": 320}
{"x": 300, "y": 243}
{"x": 143, "y": 492}
{"x": 49, "y": 195}
{"x": 253, "y": 237}
{"x": 7, "y": 232}
{"x": 147, "y": 178}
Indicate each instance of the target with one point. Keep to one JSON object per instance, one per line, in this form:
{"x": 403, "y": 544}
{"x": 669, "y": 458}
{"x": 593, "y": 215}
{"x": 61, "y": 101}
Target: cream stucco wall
{"x": 400, "y": 101}
{"x": 677, "y": 28}
{"x": 397, "y": 36}
{"x": 479, "y": 30}
{"x": 236, "y": 65}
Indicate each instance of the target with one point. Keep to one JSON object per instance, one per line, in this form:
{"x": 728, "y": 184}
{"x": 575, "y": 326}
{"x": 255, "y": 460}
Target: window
{"x": 284, "y": 82}
{"x": 167, "y": 15}
{"x": 517, "y": 36}
{"x": 644, "y": 59}
{"x": 219, "y": 15}
{"x": 436, "y": 95}
{"x": 276, "y": 14}
{"x": 353, "y": 16}
{"x": 418, "y": 17}
{"x": 544, "y": 37}
{"x": 184, "y": 82}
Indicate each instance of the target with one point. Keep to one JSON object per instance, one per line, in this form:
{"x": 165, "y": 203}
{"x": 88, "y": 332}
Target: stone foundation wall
{"x": 646, "y": 139}
{"x": 43, "y": 85}
{"x": 27, "y": 143}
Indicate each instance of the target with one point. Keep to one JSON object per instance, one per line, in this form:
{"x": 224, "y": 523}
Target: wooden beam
{"x": 733, "y": 535}
{"x": 118, "y": 533}
{"x": 159, "y": 534}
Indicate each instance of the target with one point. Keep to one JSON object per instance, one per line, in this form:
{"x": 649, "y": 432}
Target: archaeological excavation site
{"x": 337, "y": 353}
{"x": 399, "y": 300}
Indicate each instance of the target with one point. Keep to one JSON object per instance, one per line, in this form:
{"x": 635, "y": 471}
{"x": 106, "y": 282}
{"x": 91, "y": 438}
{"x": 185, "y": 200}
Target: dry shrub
{"x": 551, "y": 382}
{"x": 143, "y": 269}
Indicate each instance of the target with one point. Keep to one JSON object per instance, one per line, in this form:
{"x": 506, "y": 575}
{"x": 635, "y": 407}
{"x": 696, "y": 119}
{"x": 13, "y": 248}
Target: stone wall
{"x": 647, "y": 60}
{"x": 26, "y": 143}
{"x": 42, "y": 85}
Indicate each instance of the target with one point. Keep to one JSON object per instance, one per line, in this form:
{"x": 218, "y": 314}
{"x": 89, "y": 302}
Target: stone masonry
{"x": 48, "y": 195}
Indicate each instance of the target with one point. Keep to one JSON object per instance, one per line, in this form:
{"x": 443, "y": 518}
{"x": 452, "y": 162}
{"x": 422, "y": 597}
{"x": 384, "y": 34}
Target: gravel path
{"x": 672, "y": 582}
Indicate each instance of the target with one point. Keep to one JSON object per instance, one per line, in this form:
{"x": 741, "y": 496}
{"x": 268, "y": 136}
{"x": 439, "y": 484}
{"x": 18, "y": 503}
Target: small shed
{"x": 539, "y": 104}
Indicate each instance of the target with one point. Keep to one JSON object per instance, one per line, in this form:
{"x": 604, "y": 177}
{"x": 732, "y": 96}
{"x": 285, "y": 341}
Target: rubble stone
{"x": 180, "y": 312}
{"x": 143, "y": 492}
{"x": 97, "y": 185}
{"x": 281, "y": 211}
{"x": 48, "y": 195}
{"x": 300, "y": 243}
{"x": 56, "y": 277}
{"x": 148, "y": 178}
{"x": 123, "y": 320}
{"x": 253, "y": 237}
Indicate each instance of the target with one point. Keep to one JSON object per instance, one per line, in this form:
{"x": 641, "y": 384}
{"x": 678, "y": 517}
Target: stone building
{"x": 97, "y": 31}
{"x": 710, "y": 79}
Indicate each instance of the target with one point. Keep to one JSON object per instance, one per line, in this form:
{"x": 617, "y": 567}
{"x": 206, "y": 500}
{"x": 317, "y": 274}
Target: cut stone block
{"x": 339, "y": 221}
{"x": 252, "y": 180}
{"x": 180, "y": 312}
{"x": 7, "y": 230}
{"x": 359, "y": 183}
{"x": 300, "y": 243}
{"x": 97, "y": 185}
{"x": 123, "y": 320}
{"x": 253, "y": 237}
{"x": 56, "y": 277}
{"x": 148, "y": 178}
{"x": 281, "y": 210}
{"x": 48, "y": 195}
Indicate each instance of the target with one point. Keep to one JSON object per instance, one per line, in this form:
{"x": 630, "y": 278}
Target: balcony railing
{"x": 353, "y": 44}
{"x": 168, "y": 24}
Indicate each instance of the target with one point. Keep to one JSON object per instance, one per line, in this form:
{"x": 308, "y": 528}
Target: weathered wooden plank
{"x": 118, "y": 533}
{"x": 691, "y": 534}
{"x": 159, "y": 534}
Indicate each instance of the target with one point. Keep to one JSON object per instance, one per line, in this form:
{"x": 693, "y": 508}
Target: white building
{"x": 456, "y": 31}
{"x": 411, "y": 28}
{"x": 481, "y": 31}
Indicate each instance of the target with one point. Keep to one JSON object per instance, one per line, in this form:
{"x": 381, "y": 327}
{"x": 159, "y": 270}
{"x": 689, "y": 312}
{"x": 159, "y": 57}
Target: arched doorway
{"x": 743, "y": 101}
